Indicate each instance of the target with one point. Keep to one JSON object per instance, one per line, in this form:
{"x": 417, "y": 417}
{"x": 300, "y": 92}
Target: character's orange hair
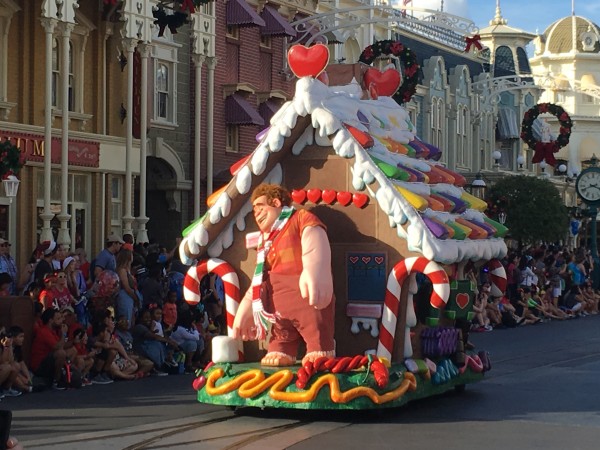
{"x": 272, "y": 191}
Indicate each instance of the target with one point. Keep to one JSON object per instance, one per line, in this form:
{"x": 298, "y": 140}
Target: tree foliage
{"x": 534, "y": 209}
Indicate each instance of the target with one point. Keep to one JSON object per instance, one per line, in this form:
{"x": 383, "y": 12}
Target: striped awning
{"x": 241, "y": 14}
{"x": 275, "y": 23}
{"x": 268, "y": 109}
{"x": 238, "y": 111}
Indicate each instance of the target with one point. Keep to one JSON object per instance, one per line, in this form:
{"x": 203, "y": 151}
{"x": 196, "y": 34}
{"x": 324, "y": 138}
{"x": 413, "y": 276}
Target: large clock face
{"x": 588, "y": 186}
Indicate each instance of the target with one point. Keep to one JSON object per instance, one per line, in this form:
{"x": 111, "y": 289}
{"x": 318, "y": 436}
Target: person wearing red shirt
{"x": 59, "y": 296}
{"x": 50, "y": 349}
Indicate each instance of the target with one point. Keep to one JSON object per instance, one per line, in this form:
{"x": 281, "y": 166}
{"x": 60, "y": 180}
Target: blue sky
{"x": 529, "y": 15}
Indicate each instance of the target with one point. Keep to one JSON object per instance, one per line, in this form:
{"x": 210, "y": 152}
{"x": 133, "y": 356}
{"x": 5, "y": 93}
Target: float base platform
{"x": 253, "y": 385}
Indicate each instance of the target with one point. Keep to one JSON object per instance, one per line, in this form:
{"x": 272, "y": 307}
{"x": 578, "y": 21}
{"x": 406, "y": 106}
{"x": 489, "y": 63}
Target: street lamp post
{"x": 478, "y": 187}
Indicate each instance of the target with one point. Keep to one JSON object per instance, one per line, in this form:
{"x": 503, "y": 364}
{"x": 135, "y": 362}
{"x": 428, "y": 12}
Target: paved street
{"x": 542, "y": 393}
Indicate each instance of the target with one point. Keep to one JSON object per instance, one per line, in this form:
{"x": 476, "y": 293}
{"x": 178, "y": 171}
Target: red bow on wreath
{"x": 189, "y": 5}
{"x": 545, "y": 151}
{"x": 475, "y": 40}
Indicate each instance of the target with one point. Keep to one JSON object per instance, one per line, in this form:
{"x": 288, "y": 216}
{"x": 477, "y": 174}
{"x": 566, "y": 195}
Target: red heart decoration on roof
{"x": 386, "y": 83}
{"x": 308, "y": 61}
{"x": 328, "y": 196}
{"x": 344, "y": 198}
{"x": 364, "y": 139}
{"x": 360, "y": 200}
{"x": 314, "y": 195}
{"x": 462, "y": 300}
{"x": 299, "y": 196}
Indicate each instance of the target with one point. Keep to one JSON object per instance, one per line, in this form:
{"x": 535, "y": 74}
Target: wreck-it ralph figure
{"x": 293, "y": 274}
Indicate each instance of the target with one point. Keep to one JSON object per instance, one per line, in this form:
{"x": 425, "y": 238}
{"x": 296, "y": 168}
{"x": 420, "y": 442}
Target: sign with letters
{"x": 81, "y": 152}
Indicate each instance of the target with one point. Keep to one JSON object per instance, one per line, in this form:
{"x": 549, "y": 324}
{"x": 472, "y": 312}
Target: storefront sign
{"x": 81, "y": 153}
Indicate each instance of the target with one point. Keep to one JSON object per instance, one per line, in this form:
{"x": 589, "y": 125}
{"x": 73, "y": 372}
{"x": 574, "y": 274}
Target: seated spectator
{"x": 493, "y": 312}
{"x": 6, "y": 282}
{"x": 123, "y": 366}
{"x": 481, "y": 320}
{"x": 590, "y": 298}
{"x": 150, "y": 344}
{"x": 124, "y": 336}
{"x": 523, "y": 307}
{"x": 170, "y": 309}
{"x": 189, "y": 340}
{"x": 547, "y": 308}
{"x": 86, "y": 357}
{"x": 51, "y": 349}
{"x": 100, "y": 342}
{"x": 573, "y": 301}
{"x": 164, "y": 330}
{"x": 8, "y": 373}
{"x": 23, "y": 380}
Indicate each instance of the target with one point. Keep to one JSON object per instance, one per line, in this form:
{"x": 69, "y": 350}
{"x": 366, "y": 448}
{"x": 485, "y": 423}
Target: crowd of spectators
{"x": 120, "y": 316}
{"x": 543, "y": 283}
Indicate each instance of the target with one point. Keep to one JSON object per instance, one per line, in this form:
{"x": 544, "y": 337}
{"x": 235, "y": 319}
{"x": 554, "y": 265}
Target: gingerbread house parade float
{"x": 405, "y": 239}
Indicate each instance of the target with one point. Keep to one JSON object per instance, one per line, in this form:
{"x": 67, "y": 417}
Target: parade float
{"x": 406, "y": 242}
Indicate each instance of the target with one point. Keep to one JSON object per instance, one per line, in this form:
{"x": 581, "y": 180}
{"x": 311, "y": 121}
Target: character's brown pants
{"x": 298, "y": 321}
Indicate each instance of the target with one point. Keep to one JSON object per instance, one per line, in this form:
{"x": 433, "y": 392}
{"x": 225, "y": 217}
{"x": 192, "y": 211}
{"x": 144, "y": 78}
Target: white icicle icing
{"x": 243, "y": 180}
{"x": 330, "y": 108}
{"x": 259, "y": 159}
{"x": 223, "y": 204}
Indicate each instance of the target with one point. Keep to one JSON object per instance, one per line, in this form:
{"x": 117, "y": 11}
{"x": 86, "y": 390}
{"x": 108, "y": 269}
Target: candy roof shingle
{"x": 424, "y": 201}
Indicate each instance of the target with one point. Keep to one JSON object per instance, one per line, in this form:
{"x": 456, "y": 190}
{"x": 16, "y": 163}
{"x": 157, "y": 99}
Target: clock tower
{"x": 587, "y": 186}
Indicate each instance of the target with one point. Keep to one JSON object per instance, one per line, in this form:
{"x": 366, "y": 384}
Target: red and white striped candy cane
{"x": 497, "y": 278}
{"x": 439, "y": 296}
{"x": 231, "y": 284}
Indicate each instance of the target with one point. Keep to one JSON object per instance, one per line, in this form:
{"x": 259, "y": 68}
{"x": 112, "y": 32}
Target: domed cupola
{"x": 572, "y": 33}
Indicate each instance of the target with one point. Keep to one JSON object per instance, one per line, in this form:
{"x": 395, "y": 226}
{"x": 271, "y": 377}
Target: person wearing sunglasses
{"x": 59, "y": 296}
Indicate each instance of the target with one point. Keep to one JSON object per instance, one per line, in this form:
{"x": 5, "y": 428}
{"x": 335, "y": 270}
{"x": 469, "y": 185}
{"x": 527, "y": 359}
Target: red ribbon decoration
{"x": 475, "y": 40}
{"x": 189, "y": 5}
{"x": 545, "y": 151}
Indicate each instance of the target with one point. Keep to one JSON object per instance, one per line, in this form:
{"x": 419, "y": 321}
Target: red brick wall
{"x": 253, "y": 64}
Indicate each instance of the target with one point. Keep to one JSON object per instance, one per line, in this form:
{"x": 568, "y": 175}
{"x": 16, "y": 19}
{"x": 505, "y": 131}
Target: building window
{"x": 233, "y": 32}
{"x": 162, "y": 91}
{"x": 265, "y": 41}
{"x": 57, "y": 74}
{"x": 116, "y": 204}
{"x": 462, "y": 123}
{"x": 164, "y": 54}
{"x": 232, "y": 138}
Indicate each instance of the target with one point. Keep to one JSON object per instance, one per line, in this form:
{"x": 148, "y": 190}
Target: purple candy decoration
{"x": 438, "y": 230}
{"x": 261, "y": 134}
{"x": 362, "y": 118}
{"x": 460, "y": 206}
{"x": 491, "y": 231}
{"x": 420, "y": 177}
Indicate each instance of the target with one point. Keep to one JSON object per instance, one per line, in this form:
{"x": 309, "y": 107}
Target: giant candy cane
{"x": 497, "y": 278}
{"x": 438, "y": 299}
{"x": 191, "y": 285}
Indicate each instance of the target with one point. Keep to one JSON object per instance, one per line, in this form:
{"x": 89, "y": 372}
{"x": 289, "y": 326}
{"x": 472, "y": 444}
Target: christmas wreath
{"x": 11, "y": 159}
{"x": 545, "y": 150}
{"x": 408, "y": 60}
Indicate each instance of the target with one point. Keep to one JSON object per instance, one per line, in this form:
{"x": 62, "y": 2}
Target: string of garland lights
{"x": 409, "y": 62}
{"x": 545, "y": 150}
